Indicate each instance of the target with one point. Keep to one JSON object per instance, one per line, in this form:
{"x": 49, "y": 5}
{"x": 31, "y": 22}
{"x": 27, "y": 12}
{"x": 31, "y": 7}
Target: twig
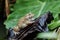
{"x": 7, "y": 7}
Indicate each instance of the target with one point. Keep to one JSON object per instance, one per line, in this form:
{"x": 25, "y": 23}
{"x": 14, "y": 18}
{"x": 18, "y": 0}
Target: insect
{"x": 24, "y": 21}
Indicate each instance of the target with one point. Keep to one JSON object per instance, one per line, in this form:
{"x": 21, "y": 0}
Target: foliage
{"x": 49, "y": 35}
{"x": 20, "y": 9}
{"x": 38, "y": 7}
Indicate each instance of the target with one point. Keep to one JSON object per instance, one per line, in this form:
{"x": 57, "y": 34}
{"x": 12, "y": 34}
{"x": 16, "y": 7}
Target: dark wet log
{"x": 31, "y": 31}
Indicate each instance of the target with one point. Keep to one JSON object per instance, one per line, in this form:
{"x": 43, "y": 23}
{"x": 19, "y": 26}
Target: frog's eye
{"x": 16, "y": 29}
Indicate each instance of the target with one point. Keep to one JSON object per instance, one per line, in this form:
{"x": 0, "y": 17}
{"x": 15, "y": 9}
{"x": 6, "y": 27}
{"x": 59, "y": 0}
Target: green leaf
{"x": 47, "y": 35}
{"x": 58, "y": 32}
{"x": 54, "y": 25}
{"x": 22, "y": 7}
